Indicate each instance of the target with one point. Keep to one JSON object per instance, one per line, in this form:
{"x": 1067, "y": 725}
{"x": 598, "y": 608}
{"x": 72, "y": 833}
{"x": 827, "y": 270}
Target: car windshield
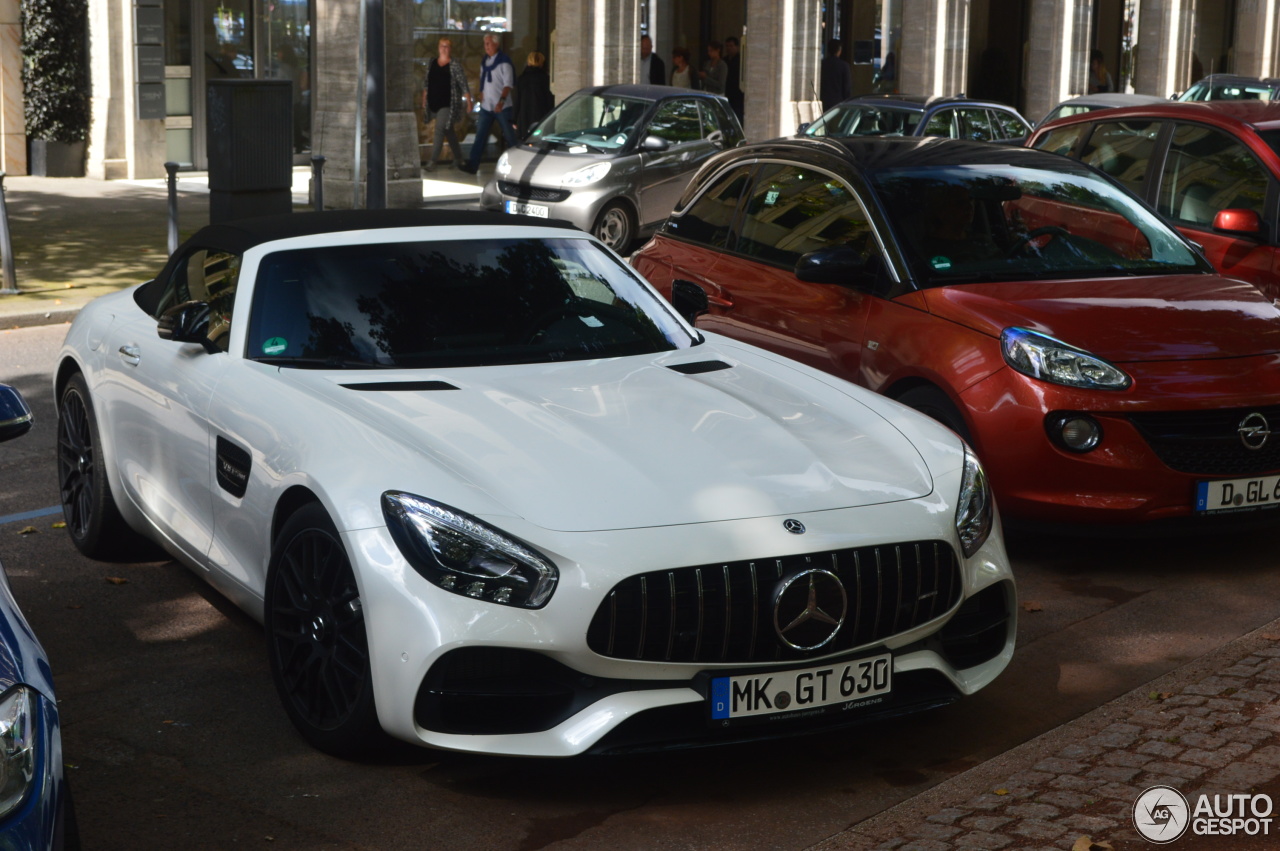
{"x": 451, "y": 304}
{"x": 1209, "y": 90}
{"x": 591, "y": 122}
{"x": 862, "y": 120}
{"x": 972, "y": 224}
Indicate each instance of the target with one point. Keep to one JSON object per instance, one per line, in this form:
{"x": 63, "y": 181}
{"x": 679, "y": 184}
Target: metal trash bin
{"x": 250, "y": 145}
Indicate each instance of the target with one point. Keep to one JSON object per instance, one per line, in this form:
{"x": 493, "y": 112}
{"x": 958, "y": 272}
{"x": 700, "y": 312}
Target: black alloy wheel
{"x": 93, "y": 520}
{"x": 317, "y": 644}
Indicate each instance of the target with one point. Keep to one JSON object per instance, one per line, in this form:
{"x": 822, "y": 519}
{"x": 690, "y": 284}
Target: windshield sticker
{"x": 771, "y": 197}
{"x": 578, "y": 149}
{"x": 275, "y": 346}
{"x": 940, "y": 263}
{"x": 591, "y": 322}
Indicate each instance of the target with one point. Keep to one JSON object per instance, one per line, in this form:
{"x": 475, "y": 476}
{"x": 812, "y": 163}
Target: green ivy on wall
{"x": 55, "y": 69}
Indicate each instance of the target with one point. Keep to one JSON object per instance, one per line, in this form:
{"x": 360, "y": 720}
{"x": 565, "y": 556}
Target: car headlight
{"x": 1041, "y": 356}
{"x": 467, "y": 556}
{"x": 17, "y": 747}
{"x": 976, "y": 508}
{"x": 503, "y": 168}
{"x": 586, "y": 174}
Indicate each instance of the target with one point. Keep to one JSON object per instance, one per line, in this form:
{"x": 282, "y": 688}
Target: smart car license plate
{"x": 519, "y": 209}
{"x": 845, "y": 685}
{"x": 1238, "y": 495}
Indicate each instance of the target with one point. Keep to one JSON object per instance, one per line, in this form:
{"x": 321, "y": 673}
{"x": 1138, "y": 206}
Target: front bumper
{"x": 1128, "y": 477}
{"x": 579, "y": 206}
{"x": 454, "y": 673}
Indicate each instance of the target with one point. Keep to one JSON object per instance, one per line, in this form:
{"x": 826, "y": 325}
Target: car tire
{"x": 89, "y": 509}
{"x": 933, "y": 403}
{"x": 615, "y": 227}
{"x": 316, "y": 640}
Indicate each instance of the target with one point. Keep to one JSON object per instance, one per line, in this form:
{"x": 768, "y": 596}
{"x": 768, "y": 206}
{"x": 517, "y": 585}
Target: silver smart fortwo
{"x": 613, "y": 159}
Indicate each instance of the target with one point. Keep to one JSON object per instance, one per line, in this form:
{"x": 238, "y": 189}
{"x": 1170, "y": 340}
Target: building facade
{"x": 151, "y": 60}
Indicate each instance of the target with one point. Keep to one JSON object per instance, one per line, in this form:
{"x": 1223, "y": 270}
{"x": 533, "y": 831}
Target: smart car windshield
{"x": 450, "y": 304}
{"x": 979, "y": 223}
{"x": 866, "y": 121}
{"x": 592, "y": 122}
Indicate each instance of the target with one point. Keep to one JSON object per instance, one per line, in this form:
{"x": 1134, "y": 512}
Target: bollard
{"x": 317, "y": 181}
{"x": 8, "y": 279}
{"x": 172, "y": 168}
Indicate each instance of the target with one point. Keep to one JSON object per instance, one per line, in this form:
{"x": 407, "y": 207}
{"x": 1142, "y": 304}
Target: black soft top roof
{"x": 243, "y": 234}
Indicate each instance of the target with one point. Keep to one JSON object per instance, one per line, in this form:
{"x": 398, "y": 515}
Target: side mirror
{"x": 1238, "y": 221}
{"x": 654, "y": 144}
{"x": 836, "y": 264}
{"x": 187, "y": 323}
{"x": 15, "y": 416}
{"x": 803, "y": 127}
{"x": 689, "y": 299}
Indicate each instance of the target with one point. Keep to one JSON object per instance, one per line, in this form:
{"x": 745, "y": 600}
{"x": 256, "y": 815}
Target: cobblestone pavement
{"x": 1211, "y": 727}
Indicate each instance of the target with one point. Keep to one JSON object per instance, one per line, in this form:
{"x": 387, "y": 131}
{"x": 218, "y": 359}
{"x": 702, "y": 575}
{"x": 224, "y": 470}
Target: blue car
{"x": 35, "y": 805}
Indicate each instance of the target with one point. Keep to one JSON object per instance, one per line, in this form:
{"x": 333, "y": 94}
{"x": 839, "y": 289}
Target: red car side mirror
{"x": 1238, "y": 221}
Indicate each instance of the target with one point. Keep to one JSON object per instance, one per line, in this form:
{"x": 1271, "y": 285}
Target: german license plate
{"x": 845, "y": 685}
{"x": 1238, "y": 495}
{"x": 520, "y": 209}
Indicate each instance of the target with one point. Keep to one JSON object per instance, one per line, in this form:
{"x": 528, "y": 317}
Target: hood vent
{"x": 402, "y": 385}
{"x": 699, "y": 367}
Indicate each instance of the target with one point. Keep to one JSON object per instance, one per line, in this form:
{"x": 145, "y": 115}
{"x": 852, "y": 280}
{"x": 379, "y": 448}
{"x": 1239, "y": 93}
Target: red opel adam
{"x": 1103, "y": 372}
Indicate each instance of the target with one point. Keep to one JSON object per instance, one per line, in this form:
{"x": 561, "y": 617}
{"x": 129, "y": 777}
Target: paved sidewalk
{"x": 1212, "y": 726}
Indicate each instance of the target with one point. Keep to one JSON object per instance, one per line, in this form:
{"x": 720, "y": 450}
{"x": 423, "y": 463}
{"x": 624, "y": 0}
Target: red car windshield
{"x": 967, "y": 224}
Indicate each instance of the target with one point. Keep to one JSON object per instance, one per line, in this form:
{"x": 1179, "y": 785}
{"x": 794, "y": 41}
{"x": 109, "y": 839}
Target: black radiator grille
{"x": 526, "y": 192}
{"x": 724, "y": 612}
{"x": 1208, "y": 443}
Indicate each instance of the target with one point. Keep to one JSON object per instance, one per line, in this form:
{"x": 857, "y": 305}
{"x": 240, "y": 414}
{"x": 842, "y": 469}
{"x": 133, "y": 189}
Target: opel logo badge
{"x": 1254, "y": 431}
{"x": 809, "y": 609}
{"x": 795, "y": 527}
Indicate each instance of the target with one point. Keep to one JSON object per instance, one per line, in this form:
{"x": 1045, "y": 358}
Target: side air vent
{"x": 700, "y": 367}
{"x": 401, "y": 385}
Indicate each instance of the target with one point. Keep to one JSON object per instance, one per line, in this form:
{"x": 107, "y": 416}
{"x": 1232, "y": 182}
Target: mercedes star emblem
{"x": 1254, "y": 431}
{"x": 809, "y": 609}
{"x": 795, "y": 527}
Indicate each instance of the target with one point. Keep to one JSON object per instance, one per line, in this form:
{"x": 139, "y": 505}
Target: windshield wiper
{"x": 322, "y": 363}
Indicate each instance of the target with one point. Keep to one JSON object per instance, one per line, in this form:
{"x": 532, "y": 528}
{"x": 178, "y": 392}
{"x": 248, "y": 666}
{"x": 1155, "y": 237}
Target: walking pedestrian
{"x": 682, "y": 75}
{"x": 733, "y": 83}
{"x": 446, "y": 99}
{"x": 652, "y": 69}
{"x": 497, "y": 79}
{"x": 715, "y": 72}
{"x": 837, "y": 77}
{"x": 533, "y": 95}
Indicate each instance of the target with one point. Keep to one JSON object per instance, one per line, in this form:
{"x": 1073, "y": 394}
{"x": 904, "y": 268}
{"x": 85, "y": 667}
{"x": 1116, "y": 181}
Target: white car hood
{"x": 630, "y": 443}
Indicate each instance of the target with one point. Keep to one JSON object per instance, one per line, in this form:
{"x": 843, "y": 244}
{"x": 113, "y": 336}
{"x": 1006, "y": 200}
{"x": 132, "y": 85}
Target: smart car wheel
{"x": 614, "y": 227}
{"x": 932, "y": 402}
{"x": 92, "y": 518}
{"x": 316, "y": 638}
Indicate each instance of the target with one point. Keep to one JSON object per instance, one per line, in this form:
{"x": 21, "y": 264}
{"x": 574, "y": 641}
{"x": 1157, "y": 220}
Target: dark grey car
{"x": 613, "y": 159}
{"x": 955, "y": 117}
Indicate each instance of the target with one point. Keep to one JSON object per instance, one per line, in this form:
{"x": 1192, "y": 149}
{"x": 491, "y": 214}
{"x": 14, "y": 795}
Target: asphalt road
{"x": 174, "y": 737}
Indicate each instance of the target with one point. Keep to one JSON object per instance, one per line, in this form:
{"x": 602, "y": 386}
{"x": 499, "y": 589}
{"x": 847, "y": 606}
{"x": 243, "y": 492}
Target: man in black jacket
{"x": 837, "y": 77}
{"x": 652, "y": 69}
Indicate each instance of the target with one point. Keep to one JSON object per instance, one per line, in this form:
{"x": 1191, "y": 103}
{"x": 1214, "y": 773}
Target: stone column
{"x": 780, "y": 68}
{"x": 1163, "y": 64}
{"x": 597, "y": 44}
{"x": 1057, "y": 58}
{"x": 13, "y": 139}
{"x": 1257, "y": 38}
{"x": 934, "y": 59}
{"x": 337, "y": 83}
{"x": 120, "y": 146}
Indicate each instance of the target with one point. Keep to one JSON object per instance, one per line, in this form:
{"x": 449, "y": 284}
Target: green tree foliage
{"x": 55, "y": 69}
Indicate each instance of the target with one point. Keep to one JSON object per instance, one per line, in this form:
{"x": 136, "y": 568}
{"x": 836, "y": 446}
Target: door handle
{"x": 130, "y": 354}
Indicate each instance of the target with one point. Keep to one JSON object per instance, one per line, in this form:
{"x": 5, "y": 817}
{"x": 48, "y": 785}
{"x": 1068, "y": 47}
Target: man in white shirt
{"x": 497, "y": 79}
